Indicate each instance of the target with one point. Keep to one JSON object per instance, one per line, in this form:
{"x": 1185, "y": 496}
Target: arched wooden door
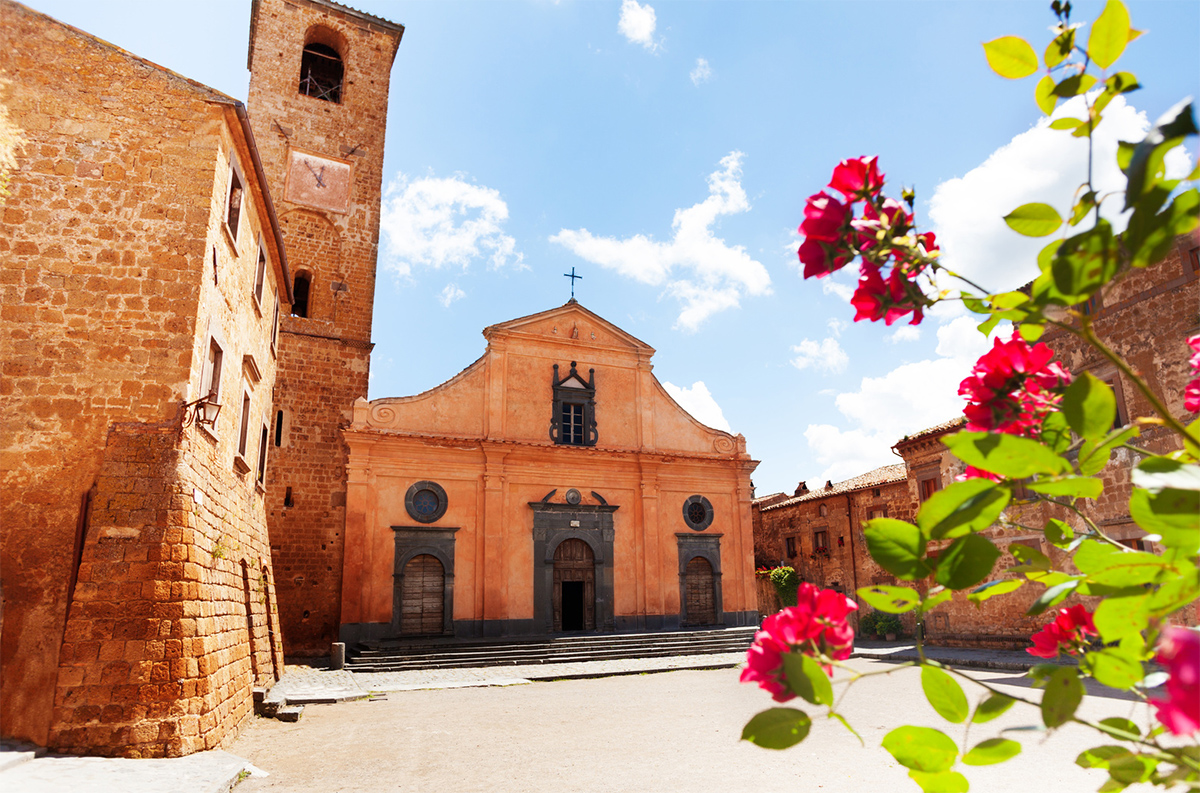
{"x": 700, "y": 605}
{"x": 574, "y": 587}
{"x": 422, "y": 596}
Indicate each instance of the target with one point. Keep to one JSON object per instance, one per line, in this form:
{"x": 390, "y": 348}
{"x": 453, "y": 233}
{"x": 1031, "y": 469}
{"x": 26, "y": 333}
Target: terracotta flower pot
{"x": 891, "y": 637}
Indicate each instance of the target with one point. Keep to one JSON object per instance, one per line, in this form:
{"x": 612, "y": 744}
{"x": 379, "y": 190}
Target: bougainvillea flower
{"x": 857, "y": 179}
{"x": 1066, "y": 633}
{"x": 824, "y": 217}
{"x": 1013, "y": 387}
{"x": 1179, "y": 652}
{"x": 816, "y": 625}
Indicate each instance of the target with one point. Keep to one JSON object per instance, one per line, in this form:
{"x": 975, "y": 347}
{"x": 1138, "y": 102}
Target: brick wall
{"x": 325, "y": 356}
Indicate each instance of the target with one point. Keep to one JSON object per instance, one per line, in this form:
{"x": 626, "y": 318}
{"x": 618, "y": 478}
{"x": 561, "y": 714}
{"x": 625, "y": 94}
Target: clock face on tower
{"x": 319, "y": 182}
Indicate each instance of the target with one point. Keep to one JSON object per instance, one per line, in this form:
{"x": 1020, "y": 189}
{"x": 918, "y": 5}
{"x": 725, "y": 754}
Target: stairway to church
{"x": 398, "y": 656}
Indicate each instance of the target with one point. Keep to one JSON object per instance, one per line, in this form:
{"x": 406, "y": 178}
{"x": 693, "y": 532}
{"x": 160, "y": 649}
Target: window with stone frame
{"x": 260, "y": 274}
{"x": 233, "y": 200}
{"x": 321, "y": 72}
{"x": 210, "y": 379}
{"x": 261, "y": 477}
{"x": 239, "y": 460}
{"x": 275, "y": 324}
{"x": 573, "y": 416}
{"x": 790, "y": 542}
{"x": 301, "y": 285}
{"x": 928, "y": 485}
{"x": 878, "y": 512}
{"x": 821, "y": 540}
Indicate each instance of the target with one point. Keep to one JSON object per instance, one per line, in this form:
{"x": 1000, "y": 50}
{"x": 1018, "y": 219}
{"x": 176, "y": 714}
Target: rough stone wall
{"x": 111, "y": 246}
{"x": 324, "y": 358}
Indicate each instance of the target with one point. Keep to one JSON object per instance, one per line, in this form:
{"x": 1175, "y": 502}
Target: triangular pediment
{"x": 570, "y": 321}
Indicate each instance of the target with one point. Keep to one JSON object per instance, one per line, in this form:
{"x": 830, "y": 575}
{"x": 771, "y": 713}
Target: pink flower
{"x": 889, "y": 300}
{"x": 1191, "y": 394}
{"x": 1179, "y": 652}
{"x": 1013, "y": 387}
{"x": 857, "y": 179}
{"x": 1066, "y": 633}
{"x": 823, "y": 218}
{"x": 815, "y": 625}
{"x": 822, "y": 258}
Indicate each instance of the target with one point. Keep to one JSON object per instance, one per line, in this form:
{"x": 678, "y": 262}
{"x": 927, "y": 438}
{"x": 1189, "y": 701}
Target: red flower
{"x": 823, "y": 218}
{"x": 821, "y": 258}
{"x": 1013, "y": 387}
{"x": 889, "y": 300}
{"x": 857, "y": 179}
{"x": 815, "y": 625}
{"x": 1067, "y": 633}
{"x": 1191, "y": 394}
{"x": 1179, "y": 652}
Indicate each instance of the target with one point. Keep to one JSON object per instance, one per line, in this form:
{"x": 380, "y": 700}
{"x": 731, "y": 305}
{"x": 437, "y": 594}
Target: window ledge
{"x": 230, "y": 237}
{"x": 258, "y": 487}
{"x": 240, "y": 465}
{"x": 208, "y": 431}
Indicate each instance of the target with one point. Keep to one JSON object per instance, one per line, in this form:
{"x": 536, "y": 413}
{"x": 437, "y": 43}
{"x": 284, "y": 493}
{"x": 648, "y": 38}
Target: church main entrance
{"x": 421, "y": 598}
{"x": 700, "y": 606}
{"x": 574, "y": 587}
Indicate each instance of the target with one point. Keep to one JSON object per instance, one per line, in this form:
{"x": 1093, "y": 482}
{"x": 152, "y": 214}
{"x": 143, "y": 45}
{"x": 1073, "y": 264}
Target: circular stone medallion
{"x": 574, "y": 497}
{"x": 697, "y": 513}
{"x": 425, "y": 502}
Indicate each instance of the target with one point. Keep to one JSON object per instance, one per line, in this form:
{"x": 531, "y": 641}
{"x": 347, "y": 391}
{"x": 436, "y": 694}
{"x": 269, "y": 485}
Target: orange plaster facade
{"x": 484, "y": 438}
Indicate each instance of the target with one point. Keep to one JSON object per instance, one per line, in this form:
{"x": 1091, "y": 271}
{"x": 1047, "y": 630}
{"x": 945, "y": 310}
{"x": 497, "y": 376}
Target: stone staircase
{"x": 404, "y": 655}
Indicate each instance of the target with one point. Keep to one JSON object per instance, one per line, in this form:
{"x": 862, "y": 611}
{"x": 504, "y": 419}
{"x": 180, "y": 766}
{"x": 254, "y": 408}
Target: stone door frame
{"x": 552, "y": 525}
{"x": 707, "y": 546}
{"x": 416, "y": 540}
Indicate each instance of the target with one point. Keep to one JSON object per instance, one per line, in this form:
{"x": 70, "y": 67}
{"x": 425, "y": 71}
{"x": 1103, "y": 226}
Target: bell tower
{"x": 319, "y": 76}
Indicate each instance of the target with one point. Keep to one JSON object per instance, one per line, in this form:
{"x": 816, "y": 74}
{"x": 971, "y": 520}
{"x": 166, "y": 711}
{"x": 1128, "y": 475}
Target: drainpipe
{"x": 853, "y": 561}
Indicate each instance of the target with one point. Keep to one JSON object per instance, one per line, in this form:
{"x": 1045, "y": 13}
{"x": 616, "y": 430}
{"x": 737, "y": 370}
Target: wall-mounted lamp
{"x": 203, "y": 411}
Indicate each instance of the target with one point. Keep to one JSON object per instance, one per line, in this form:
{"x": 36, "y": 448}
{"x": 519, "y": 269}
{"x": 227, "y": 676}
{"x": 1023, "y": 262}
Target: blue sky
{"x": 665, "y": 150}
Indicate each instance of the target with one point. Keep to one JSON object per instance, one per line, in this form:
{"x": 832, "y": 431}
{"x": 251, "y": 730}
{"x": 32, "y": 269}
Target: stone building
{"x": 322, "y": 150}
{"x": 551, "y": 486}
{"x": 142, "y": 272}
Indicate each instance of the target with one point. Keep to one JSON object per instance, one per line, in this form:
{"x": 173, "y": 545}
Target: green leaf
{"x": 1011, "y": 57}
{"x": 1067, "y": 122}
{"x": 1074, "y": 86}
{"x": 993, "y": 588}
{"x": 1030, "y": 332}
{"x": 1093, "y": 457}
{"x": 891, "y": 599}
{"x": 1053, "y": 596}
{"x": 1084, "y": 206}
{"x": 921, "y": 748}
{"x": 1085, "y": 262}
{"x": 933, "y": 601}
{"x": 1110, "y": 34}
{"x": 941, "y": 782}
{"x": 1058, "y": 50}
{"x": 1131, "y": 769}
{"x": 1116, "y": 618}
{"x": 1155, "y": 474}
{"x": 1177, "y": 123}
{"x": 1150, "y": 236}
{"x": 1064, "y": 692}
{"x": 993, "y": 707}
{"x": 1113, "y": 668}
{"x": 1099, "y": 756}
{"x": 1124, "y": 729}
{"x": 1172, "y": 514}
{"x": 897, "y": 547}
{"x": 1094, "y": 555}
{"x": 1007, "y": 455}
{"x": 1043, "y": 94}
{"x": 807, "y": 679}
{"x": 1074, "y": 486}
{"x": 1176, "y": 592}
{"x": 777, "y": 728}
{"x": 992, "y": 751}
{"x": 944, "y": 694}
{"x": 966, "y": 562}
{"x": 1058, "y": 533}
{"x": 1056, "y": 433}
{"x": 1030, "y": 558}
{"x": 1122, "y": 83}
{"x": 961, "y": 508}
{"x": 846, "y": 724}
{"x": 1034, "y": 220}
{"x": 1130, "y": 569}
{"x": 1089, "y": 406}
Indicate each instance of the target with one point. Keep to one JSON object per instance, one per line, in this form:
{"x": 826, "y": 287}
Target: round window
{"x": 425, "y": 502}
{"x": 697, "y": 513}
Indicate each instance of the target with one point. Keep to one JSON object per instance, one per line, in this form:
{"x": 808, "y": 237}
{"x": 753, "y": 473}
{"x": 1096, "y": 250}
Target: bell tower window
{"x": 300, "y": 286}
{"x": 321, "y": 72}
{"x": 573, "y": 420}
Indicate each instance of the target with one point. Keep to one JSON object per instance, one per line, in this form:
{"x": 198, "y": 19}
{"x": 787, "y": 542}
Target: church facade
{"x": 551, "y": 486}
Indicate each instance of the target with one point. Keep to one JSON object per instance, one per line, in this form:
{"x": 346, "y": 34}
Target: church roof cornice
{"x": 514, "y": 327}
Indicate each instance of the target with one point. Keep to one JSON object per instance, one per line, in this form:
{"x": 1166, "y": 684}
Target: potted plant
{"x": 867, "y": 624}
{"x": 888, "y": 625}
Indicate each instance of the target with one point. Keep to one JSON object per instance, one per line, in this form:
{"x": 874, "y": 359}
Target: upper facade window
{"x": 573, "y": 420}
{"x": 321, "y": 72}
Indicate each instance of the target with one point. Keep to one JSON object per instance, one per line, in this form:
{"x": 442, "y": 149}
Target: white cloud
{"x": 907, "y": 399}
{"x": 826, "y": 355}
{"x": 697, "y": 267}
{"x": 637, "y": 24}
{"x": 702, "y": 73}
{"x": 1038, "y": 165}
{"x": 450, "y": 294}
{"x": 434, "y": 222}
{"x": 836, "y": 326}
{"x": 700, "y": 403}
{"x": 904, "y": 333}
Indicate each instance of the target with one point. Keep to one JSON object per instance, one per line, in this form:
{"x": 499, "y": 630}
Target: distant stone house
{"x": 142, "y": 276}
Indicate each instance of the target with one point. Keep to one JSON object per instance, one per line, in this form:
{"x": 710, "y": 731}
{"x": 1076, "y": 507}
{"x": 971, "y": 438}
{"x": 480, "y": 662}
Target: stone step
{"x": 417, "y": 646}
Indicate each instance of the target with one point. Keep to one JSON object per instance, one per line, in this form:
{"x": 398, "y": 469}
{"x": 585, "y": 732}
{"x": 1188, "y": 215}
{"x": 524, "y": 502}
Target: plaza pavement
{"x": 29, "y": 771}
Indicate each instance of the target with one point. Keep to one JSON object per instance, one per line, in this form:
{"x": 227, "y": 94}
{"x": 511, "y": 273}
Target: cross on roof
{"x": 572, "y": 276}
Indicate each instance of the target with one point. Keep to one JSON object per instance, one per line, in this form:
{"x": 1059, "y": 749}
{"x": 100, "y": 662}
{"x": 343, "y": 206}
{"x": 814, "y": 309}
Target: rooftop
{"x": 886, "y": 475}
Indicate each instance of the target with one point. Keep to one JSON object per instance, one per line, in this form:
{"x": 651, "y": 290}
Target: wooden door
{"x": 421, "y": 598}
{"x": 698, "y": 591}
{"x": 573, "y": 561}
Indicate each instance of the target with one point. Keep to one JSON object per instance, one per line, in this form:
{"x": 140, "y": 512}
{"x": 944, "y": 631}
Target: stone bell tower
{"x": 319, "y": 75}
